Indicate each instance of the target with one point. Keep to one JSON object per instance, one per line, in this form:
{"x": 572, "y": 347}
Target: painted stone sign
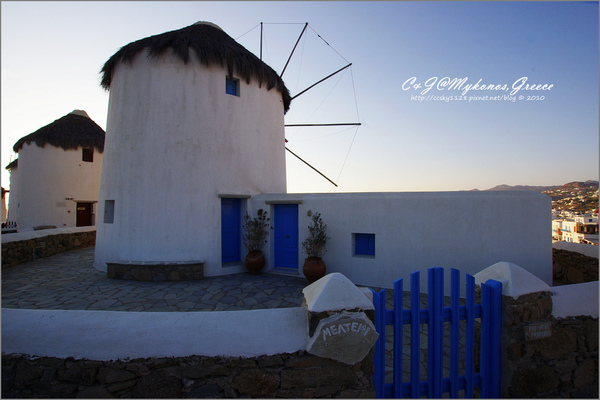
{"x": 346, "y": 337}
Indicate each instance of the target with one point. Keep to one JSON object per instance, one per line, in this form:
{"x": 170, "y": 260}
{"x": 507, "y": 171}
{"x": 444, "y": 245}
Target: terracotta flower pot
{"x": 314, "y": 268}
{"x": 254, "y": 261}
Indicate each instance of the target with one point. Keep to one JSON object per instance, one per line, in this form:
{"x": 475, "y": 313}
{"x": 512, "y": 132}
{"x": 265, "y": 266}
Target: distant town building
{"x": 575, "y": 228}
{"x": 55, "y": 180}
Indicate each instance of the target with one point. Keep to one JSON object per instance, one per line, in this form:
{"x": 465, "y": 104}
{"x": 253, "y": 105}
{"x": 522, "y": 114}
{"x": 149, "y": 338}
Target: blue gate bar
{"x": 485, "y": 342}
{"x": 455, "y": 331}
{"x": 398, "y": 334}
{"x": 415, "y": 330}
{"x": 470, "y": 338}
{"x": 435, "y": 333}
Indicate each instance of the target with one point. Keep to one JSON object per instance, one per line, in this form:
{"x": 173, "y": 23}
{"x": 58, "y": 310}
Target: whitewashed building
{"x": 55, "y": 180}
{"x": 195, "y": 127}
{"x": 195, "y": 138}
{"x": 582, "y": 228}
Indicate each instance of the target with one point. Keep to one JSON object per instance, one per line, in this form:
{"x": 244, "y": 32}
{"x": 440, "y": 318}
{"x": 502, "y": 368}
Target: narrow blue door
{"x": 286, "y": 235}
{"x": 230, "y": 230}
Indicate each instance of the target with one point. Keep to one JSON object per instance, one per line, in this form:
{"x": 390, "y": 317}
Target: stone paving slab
{"x": 68, "y": 281}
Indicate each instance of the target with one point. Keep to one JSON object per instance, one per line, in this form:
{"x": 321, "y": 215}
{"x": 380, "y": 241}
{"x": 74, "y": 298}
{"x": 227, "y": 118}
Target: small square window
{"x": 364, "y": 244}
{"x": 232, "y": 86}
{"x": 87, "y": 154}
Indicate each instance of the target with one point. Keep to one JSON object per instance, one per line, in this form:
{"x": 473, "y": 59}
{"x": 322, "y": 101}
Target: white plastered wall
{"x": 175, "y": 142}
{"x": 48, "y": 183}
{"x": 415, "y": 231}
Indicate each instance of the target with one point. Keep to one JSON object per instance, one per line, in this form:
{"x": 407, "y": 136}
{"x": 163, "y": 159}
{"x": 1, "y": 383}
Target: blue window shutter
{"x": 364, "y": 244}
{"x": 231, "y": 86}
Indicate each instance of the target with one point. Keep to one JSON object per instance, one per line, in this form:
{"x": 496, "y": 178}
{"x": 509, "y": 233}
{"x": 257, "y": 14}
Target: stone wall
{"x": 297, "y": 375}
{"x": 549, "y": 336}
{"x": 564, "y": 364}
{"x": 17, "y": 252}
{"x": 569, "y": 267}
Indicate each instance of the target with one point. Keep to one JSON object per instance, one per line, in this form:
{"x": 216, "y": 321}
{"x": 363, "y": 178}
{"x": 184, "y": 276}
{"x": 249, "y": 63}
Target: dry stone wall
{"x": 569, "y": 267}
{"x": 297, "y": 375}
{"x": 22, "y": 251}
{"x": 544, "y": 356}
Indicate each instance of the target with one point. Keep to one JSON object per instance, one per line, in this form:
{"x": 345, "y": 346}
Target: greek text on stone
{"x": 462, "y": 84}
{"x": 357, "y": 327}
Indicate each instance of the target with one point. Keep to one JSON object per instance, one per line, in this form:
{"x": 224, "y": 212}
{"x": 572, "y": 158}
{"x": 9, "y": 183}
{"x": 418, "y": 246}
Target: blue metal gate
{"x": 444, "y": 328}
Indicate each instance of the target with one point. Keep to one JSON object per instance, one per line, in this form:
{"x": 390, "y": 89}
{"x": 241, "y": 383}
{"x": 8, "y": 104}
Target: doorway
{"x": 285, "y": 236}
{"x": 84, "y": 214}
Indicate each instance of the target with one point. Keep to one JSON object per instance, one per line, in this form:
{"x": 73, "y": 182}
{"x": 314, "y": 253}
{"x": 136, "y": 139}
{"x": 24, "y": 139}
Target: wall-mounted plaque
{"x": 538, "y": 330}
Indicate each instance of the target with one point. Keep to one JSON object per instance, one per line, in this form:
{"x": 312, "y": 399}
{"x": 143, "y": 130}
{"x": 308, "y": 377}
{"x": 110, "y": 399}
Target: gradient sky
{"x": 52, "y": 53}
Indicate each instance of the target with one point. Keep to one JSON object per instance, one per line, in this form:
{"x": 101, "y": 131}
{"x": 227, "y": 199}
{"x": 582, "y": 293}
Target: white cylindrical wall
{"x": 48, "y": 183}
{"x": 175, "y": 141}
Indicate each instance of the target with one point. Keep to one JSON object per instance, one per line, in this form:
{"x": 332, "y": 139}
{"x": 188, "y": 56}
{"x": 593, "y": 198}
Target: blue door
{"x": 286, "y": 235}
{"x": 230, "y": 230}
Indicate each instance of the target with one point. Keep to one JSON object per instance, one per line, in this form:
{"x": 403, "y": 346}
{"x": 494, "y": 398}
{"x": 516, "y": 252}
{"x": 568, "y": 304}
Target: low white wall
{"x": 575, "y": 300}
{"x": 582, "y": 248}
{"x": 104, "y": 335}
{"x": 415, "y": 231}
{"x": 16, "y": 237}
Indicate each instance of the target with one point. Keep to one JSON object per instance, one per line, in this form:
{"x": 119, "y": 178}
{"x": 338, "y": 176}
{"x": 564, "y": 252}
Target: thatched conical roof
{"x": 212, "y": 46}
{"x": 73, "y": 130}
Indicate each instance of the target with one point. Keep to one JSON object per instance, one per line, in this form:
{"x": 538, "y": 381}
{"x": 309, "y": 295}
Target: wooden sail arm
{"x": 298, "y": 157}
{"x": 333, "y": 124}
{"x": 294, "y": 49}
{"x": 315, "y": 84}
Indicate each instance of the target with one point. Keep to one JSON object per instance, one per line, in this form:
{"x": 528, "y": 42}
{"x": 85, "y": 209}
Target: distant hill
{"x": 572, "y": 196}
{"x": 521, "y": 188}
{"x": 566, "y": 186}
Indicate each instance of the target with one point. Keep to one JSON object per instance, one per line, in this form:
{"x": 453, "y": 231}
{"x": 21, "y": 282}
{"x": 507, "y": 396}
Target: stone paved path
{"x": 69, "y": 281}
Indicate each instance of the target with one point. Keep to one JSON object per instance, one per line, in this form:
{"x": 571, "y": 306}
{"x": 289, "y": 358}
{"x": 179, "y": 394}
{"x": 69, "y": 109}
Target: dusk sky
{"x": 413, "y": 137}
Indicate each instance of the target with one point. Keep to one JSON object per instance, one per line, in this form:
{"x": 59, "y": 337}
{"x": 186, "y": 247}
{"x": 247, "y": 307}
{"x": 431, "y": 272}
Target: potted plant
{"x": 314, "y": 247}
{"x": 254, "y": 237}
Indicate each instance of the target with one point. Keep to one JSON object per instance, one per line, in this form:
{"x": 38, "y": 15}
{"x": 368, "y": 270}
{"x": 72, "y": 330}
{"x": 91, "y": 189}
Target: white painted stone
{"x": 582, "y": 248}
{"x": 335, "y": 292}
{"x": 367, "y": 292}
{"x": 515, "y": 280}
{"x": 346, "y": 337}
{"x": 110, "y": 335}
{"x": 16, "y": 237}
{"x": 575, "y": 300}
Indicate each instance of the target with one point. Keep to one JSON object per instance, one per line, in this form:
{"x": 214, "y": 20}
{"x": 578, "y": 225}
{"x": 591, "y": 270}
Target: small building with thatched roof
{"x": 195, "y": 128}
{"x": 55, "y": 180}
